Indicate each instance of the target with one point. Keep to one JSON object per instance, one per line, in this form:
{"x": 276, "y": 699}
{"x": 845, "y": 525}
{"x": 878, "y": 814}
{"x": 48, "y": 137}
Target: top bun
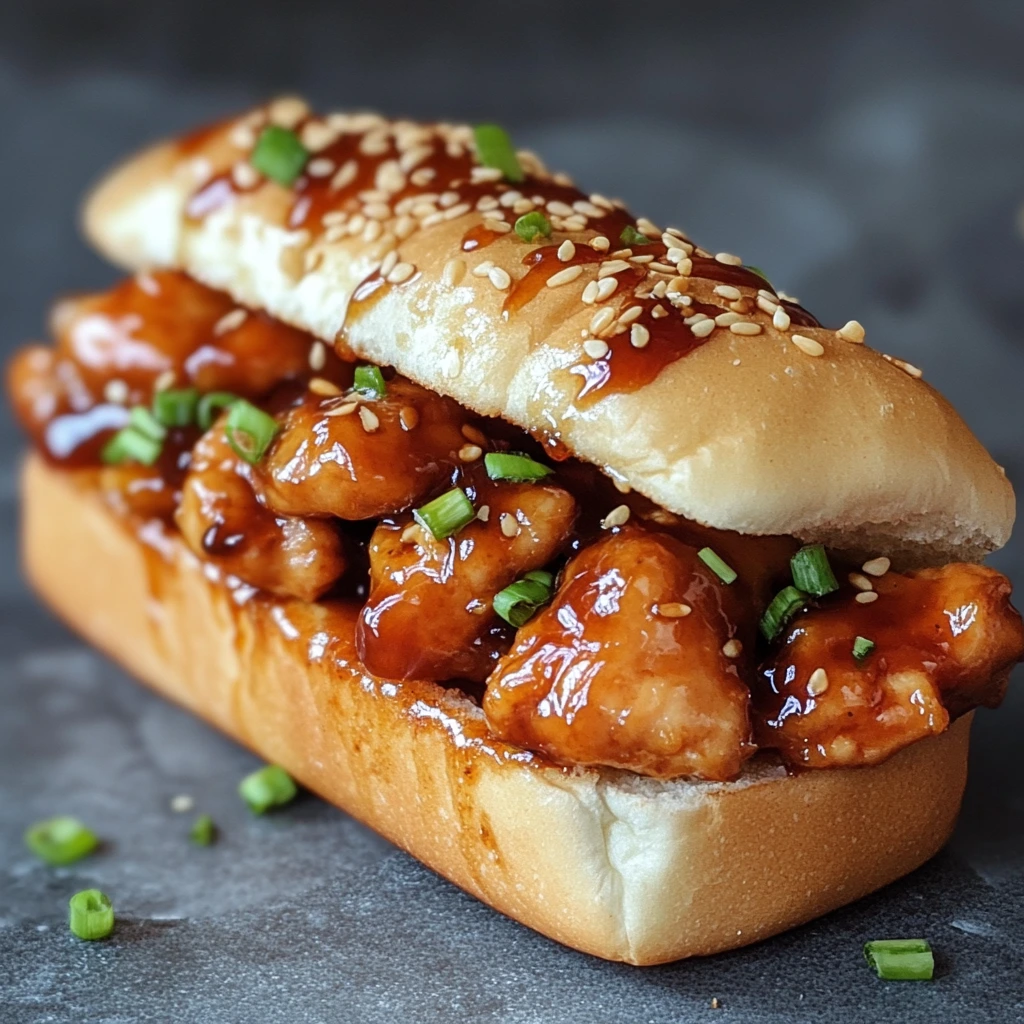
{"x": 773, "y": 425}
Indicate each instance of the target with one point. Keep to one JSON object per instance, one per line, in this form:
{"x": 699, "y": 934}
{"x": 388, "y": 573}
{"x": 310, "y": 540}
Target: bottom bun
{"x": 620, "y": 866}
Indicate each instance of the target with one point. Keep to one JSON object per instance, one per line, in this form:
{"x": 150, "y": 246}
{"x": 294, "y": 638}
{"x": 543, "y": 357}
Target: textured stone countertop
{"x": 868, "y": 156}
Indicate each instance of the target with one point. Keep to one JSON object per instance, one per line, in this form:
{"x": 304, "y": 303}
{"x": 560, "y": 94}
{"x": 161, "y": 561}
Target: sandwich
{"x": 573, "y": 558}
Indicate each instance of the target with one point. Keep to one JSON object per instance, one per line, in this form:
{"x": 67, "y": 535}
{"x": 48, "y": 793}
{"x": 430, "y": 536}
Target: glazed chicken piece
{"x": 944, "y": 642}
{"x": 638, "y": 663}
{"x": 222, "y": 521}
{"x": 429, "y": 614}
{"x": 358, "y": 458}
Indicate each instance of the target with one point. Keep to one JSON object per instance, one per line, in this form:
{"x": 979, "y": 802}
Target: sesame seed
{"x": 456, "y": 211}
{"x": 639, "y": 336}
{"x": 499, "y": 227}
{"x": 727, "y": 291}
{"x": 374, "y": 144}
{"x": 345, "y": 409}
{"x": 606, "y": 288}
{"x": 356, "y": 224}
{"x": 703, "y": 329}
{"x": 242, "y": 136}
{"x": 165, "y": 380}
{"x": 595, "y": 348}
{"x": 860, "y": 582}
{"x": 566, "y": 251}
{"x": 521, "y": 206}
{"x": 745, "y": 327}
{"x": 317, "y": 356}
{"x": 600, "y": 244}
{"x": 453, "y": 272}
{"x": 780, "y": 319}
{"x": 587, "y": 209}
{"x": 695, "y": 319}
{"x": 877, "y": 566}
{"x": 470, "y": 433}
{"x": 599, "y": 200}
{"x": 678, "y": 285}
{"x": 766, "y": 305}
{"x": 565, "y": 276}
{"x": 602, "y": 318}
{"x": 422, "y": 175}
{"x": 245, "y": 175}
{"x": 182, "y": 803}
{"x": 499, "y": 278}
{"x": 324, "y": 388}
{"x": 470, "y": 452}
{"x": 577, "y": 222}
{"x": 590, "y": 293}
{"x": 412, "y": 158}
{"x": 483, "y": 268}
{"x": 728, "y": 259}
{"x": 645, "y": 258}
{"x": 321, "y": 167}
{"x": 727, "y": 319}
{"x": 612, "y": 267}
{"x": 509, "y": 526}
{"x": 369, "y": 419}
{"x": 116, "y": 392}
{"x": 818, "y": 683}
{"x": 510, "y": 198}
{"x": 401, "y": 272}
{"x": 672, "y": 610}
{"x": 648, "y": 227}
{"x": 345, "y": 175}
{"x": 808, "y": 345}
{"x": 908, "y": 368}
{"x": 675, "y": 255}
{"x": 852, "y": 332}
{"x": 658, "y": 312}
{"x": 618, "y": 516}
{"x": 230, "y": 321}
{"x": 388, "y": 263}
{"x": 630, "y": 314}
{"x": 287, "y": 111}
{"x": 622, "y": 254}
{"x": 483, "y": 513}
{"x": 431, "y": 219}
{"x": 404, "y": 226}
{"x": 867, "y": 597}
{"x": 732, "y": 648}
{"x": 377, "y": 211}
{"x": 478, "y": 175}
{"x": 659, "y": 289}
{"x": 411, "y": 534}
{"x": 661, "y": 268}
{"x": 559, "y": 209}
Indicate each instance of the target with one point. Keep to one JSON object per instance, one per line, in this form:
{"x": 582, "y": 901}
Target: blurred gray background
{"x": 868, "y": 155}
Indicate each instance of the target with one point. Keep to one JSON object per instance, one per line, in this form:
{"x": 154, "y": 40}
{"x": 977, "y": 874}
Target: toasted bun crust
{"x": 613, "y": 864}
{"x": 744, "y": 433}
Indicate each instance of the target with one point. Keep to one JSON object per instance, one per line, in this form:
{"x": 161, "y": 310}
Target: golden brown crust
{"x": 748, "y": 433}
{"x": 629, "y": 868}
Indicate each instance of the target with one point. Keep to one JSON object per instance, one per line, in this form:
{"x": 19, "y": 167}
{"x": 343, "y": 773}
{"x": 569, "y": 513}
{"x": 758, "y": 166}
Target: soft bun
{"x": 747, "y": 433}
{"x": 627, "y": 868}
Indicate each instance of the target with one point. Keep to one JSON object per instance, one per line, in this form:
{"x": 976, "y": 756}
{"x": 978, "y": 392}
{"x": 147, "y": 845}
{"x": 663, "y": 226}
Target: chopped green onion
{"x": 130, "y": 445}
{"x": 249, "y": 430}
{"x": 446, "y": 515}
{"x": 901, "y": 959}
{"x": 203, "y": 831}
{"x": 269, "y": 786}
{"x": 785, "y": 604}
{"x": 630, "y": 236}
{"x": 519, "y": 602}
{"x": 146, "y": 423}
{"x": 494, "y": 149}
{"x": 209, "y": 404}
{"x": 862, "y": 647}
{"x": 723, "y": 571}
{"x": 279, "y": 155}
{"x": 370, "y": 381}
{"x": 515, "y": 467}
{"x": 90, "y": 914}
{"x": 176, "y": 407}
{"x": 758, "y": 271}
{"x": 60, "y": 840}
{"x": 531, "y": 225}
{"x": 811, "y": 571}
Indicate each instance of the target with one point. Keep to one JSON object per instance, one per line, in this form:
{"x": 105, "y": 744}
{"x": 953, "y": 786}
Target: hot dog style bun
{"x": 769, "y": 425}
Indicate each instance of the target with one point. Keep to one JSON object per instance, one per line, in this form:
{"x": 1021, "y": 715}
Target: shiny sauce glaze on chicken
{"x": 594, "y": 627}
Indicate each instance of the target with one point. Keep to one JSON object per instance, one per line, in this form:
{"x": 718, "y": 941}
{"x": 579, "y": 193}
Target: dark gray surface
{"x": 869, "y": 156}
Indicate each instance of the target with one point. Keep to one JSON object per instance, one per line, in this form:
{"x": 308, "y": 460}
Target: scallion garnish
{"x": 60, "y": 840}
{"x": 758, "y": 271}
{"x": 131, "y": 445}
{"x": 717, "y": 565}
{"x": 630, "y": 236}
{"x": 532, "y": 225}
{"x": 269, "y": 786}
{"x": 210, "y": 404}
{"x": 901, "y": 959}
{"x": 249, "y": 430}
{"x": 494, "y": 149}
{"x": 279, "y": 155}
{"x": 90, "y": 914}
{"x": 811, "y": 571}
{"x": 446, "y": 515}
{"x": 785, "y": 604}
{"x": 203, "y": 831}
{"x": 862, "y": 647}
{"x": 370, "y": 381}
{"x": 176, "y": 407}
{"x": 515, "y": 467}
{"x": 146, "y": 423}
{"x": 519, "y": 602}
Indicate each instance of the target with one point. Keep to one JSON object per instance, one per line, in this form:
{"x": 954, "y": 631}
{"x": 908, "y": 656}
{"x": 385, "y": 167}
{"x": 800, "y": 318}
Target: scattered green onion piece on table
{"x": 130, "y": 445}
{"x": 203, "y": 831}
{"x": 146, "y": 423}
{"x": 210, "y": 404}
{"x": 249, "y": 430}
{"x": 862, "y": 647}
{"x": 494, "y": 149}
{"x": 279, "y": 155}
{"x": 369, "y": 380}
{"x": 60, "y": 840}
{"x": 901, "y": 959}
{"x": 520, "y": 601}
{"x": 717, "y": 565}
{"x": 446, "y": 515}
{"x": 784, "y": 605}
{"x": 532, "y": 225}
{"x": 176, "y": 407}
{"x": 811, "y": 571}
{"x": 90, "y": 914}
{"x": 515, "y": 467}
{"x": 630, "y": 236}
{"x": 269, "y": 786}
